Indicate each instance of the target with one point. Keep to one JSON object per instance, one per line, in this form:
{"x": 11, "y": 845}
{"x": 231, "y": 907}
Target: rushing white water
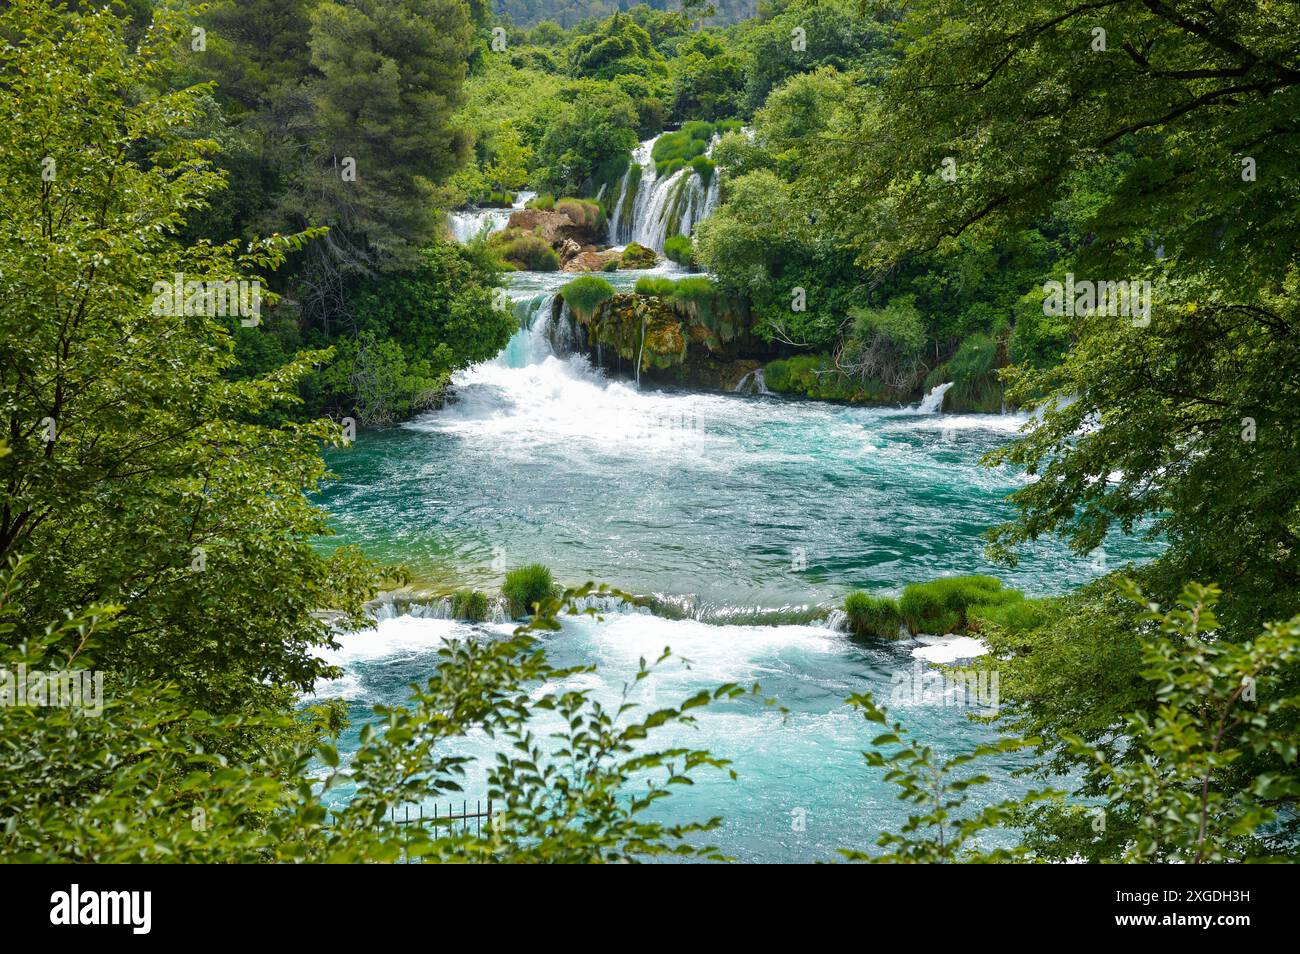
{"x": 752, "y": 383}
{"x": 659, "y": 207}
{"x": 701, "y": 499}
{"x": 467, "y": 224}
{"x": 932, "y": 403}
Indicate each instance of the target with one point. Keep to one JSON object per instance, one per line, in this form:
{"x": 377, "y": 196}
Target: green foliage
{"x": 811, "y": 375}
{"x": 678, "y": 150}
{"x": 837, "y": 35}
{"x": 655, "y": 285}
{"x": 678, "y": 248}
{"x": 595, "y": 130}
{"x": 413, "y": 331}
{"x": 869, "y": 615}
{"x": 531, "y": 252}
{"x": 1217, "y": 704}
{"x": 940, "y": 606}
{"x": 943, "y": 829}
{"x": 619, "y": 45}
{"x": 470, "y": 605}
{"x": 886, "y": 345}
{"x": 636, "y": 255}
{"x": 155, "y": 490}
{"x": 527, "y": 586}
{"x": 586, "y": 293}
{"x": 973, "y": 372}
{"x": 582, "y": 212}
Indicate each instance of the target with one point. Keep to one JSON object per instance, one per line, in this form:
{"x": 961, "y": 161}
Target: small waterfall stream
{"x": 932, "y": 403}
{"x": 467, "y": 224}
{"x": 650, "y": 209}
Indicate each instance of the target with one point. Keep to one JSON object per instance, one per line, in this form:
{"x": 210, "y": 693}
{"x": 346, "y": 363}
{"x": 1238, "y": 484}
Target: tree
{"x": 1148, "y": 113}
{"x": 135, "y": 477}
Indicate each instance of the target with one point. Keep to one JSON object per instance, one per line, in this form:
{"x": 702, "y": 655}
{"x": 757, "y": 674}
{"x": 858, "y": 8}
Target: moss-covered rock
{"x": 815, "y": 376}
{"x": 638, "y": 256}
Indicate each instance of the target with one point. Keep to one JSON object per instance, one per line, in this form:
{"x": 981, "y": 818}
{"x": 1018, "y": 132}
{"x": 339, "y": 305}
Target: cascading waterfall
{"x": 467, "y": 224}
{"x": 932, "y": 403}
{"x": 650, "y": 209}
{"x": 752, "y": 383}
{"x": 531, "y": 343}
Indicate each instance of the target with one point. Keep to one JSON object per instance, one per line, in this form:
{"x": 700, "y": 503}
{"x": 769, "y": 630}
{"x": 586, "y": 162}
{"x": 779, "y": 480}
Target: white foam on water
{"x": 948, "y": 649}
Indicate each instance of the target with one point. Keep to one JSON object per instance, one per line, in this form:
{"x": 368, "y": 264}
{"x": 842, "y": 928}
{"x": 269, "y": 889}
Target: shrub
{"x": 545, "y": 202}
{"x": 470, "y": 605}
{"x": 585, "y": 213}
{"x": 532, "y": 252}
{"x": 676, "y": 150}
{"x": 526, "y": 586}
{"x": 1015, "y": 616}
{"x": 941, "y": 605}
{"x": 585, "y": 294}
{"x": 655, "y": 285}
{"x": 703, "y": 167}
{"x": 679, "y": 249}
{"x": 974, "y": 381}
{"x": 812, "y": 375}
{"x": 873, "y": 615}
{"x": 610, "y": 266}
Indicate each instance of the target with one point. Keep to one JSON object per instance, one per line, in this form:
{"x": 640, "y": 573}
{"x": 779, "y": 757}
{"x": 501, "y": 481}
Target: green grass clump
{"x": 636, "y": 255}
{"x": 584, "y": 213}
{"x": 655, "y": 285}
{"x": 677, "y": 150}
{"x": 545, "y": 202}
{"x": 532, "y": 252}
{"x": 470, "y": 605}
{"x": 942, "y": 605}
{"x": 703, "y": 167}
{"x": 587, "y": 293}
{"x": 678, "y": 248}
{"x": 873, "y": 615}
{"x": 610, "y": 266}
{"x": 1014, "y": 615}
{"x": 527, "y": 586}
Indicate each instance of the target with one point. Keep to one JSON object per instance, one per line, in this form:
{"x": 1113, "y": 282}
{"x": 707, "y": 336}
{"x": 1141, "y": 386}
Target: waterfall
{"x": 531, "y": 343}
{"x": 640, "y": 353}
{"x": 932, "y": 403}
{"x": 650, "y": 209}
{"x": 752, "y": 383}
{"x": 468, "y": 224}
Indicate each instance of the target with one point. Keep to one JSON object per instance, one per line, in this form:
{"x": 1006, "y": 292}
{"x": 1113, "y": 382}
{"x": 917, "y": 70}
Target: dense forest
{"x": 1086, "y": 214}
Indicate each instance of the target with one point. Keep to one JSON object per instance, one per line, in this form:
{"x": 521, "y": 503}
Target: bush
{"x": 610, "y": 266}
{"x": 941, "y": 606}
{"x": 679, "y": 249}
{"x": 655, "y": 286}
{"x": 527, "y": 586}
{"x": 873, "y": 615}
{"x": 974, "y": 380}
{"x": 545, "y": 202}
{"x": 1015, "y": 616}
{"x": 703, "y": 167}
{"x": 533, "y": 253}
{"x": 585, "y": 294}
{"x": 676, "y": 150}
{"x": 585, "y": 213}
{"x": 811, "y": 375}
{"x": 470, "y": 605}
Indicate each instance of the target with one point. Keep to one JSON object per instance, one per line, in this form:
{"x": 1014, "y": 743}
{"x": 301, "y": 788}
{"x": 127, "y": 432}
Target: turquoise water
{"x": 718, "y": 502}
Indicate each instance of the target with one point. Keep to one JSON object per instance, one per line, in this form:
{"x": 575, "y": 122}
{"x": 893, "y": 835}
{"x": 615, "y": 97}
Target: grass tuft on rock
{"x": 526, "y": 586}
